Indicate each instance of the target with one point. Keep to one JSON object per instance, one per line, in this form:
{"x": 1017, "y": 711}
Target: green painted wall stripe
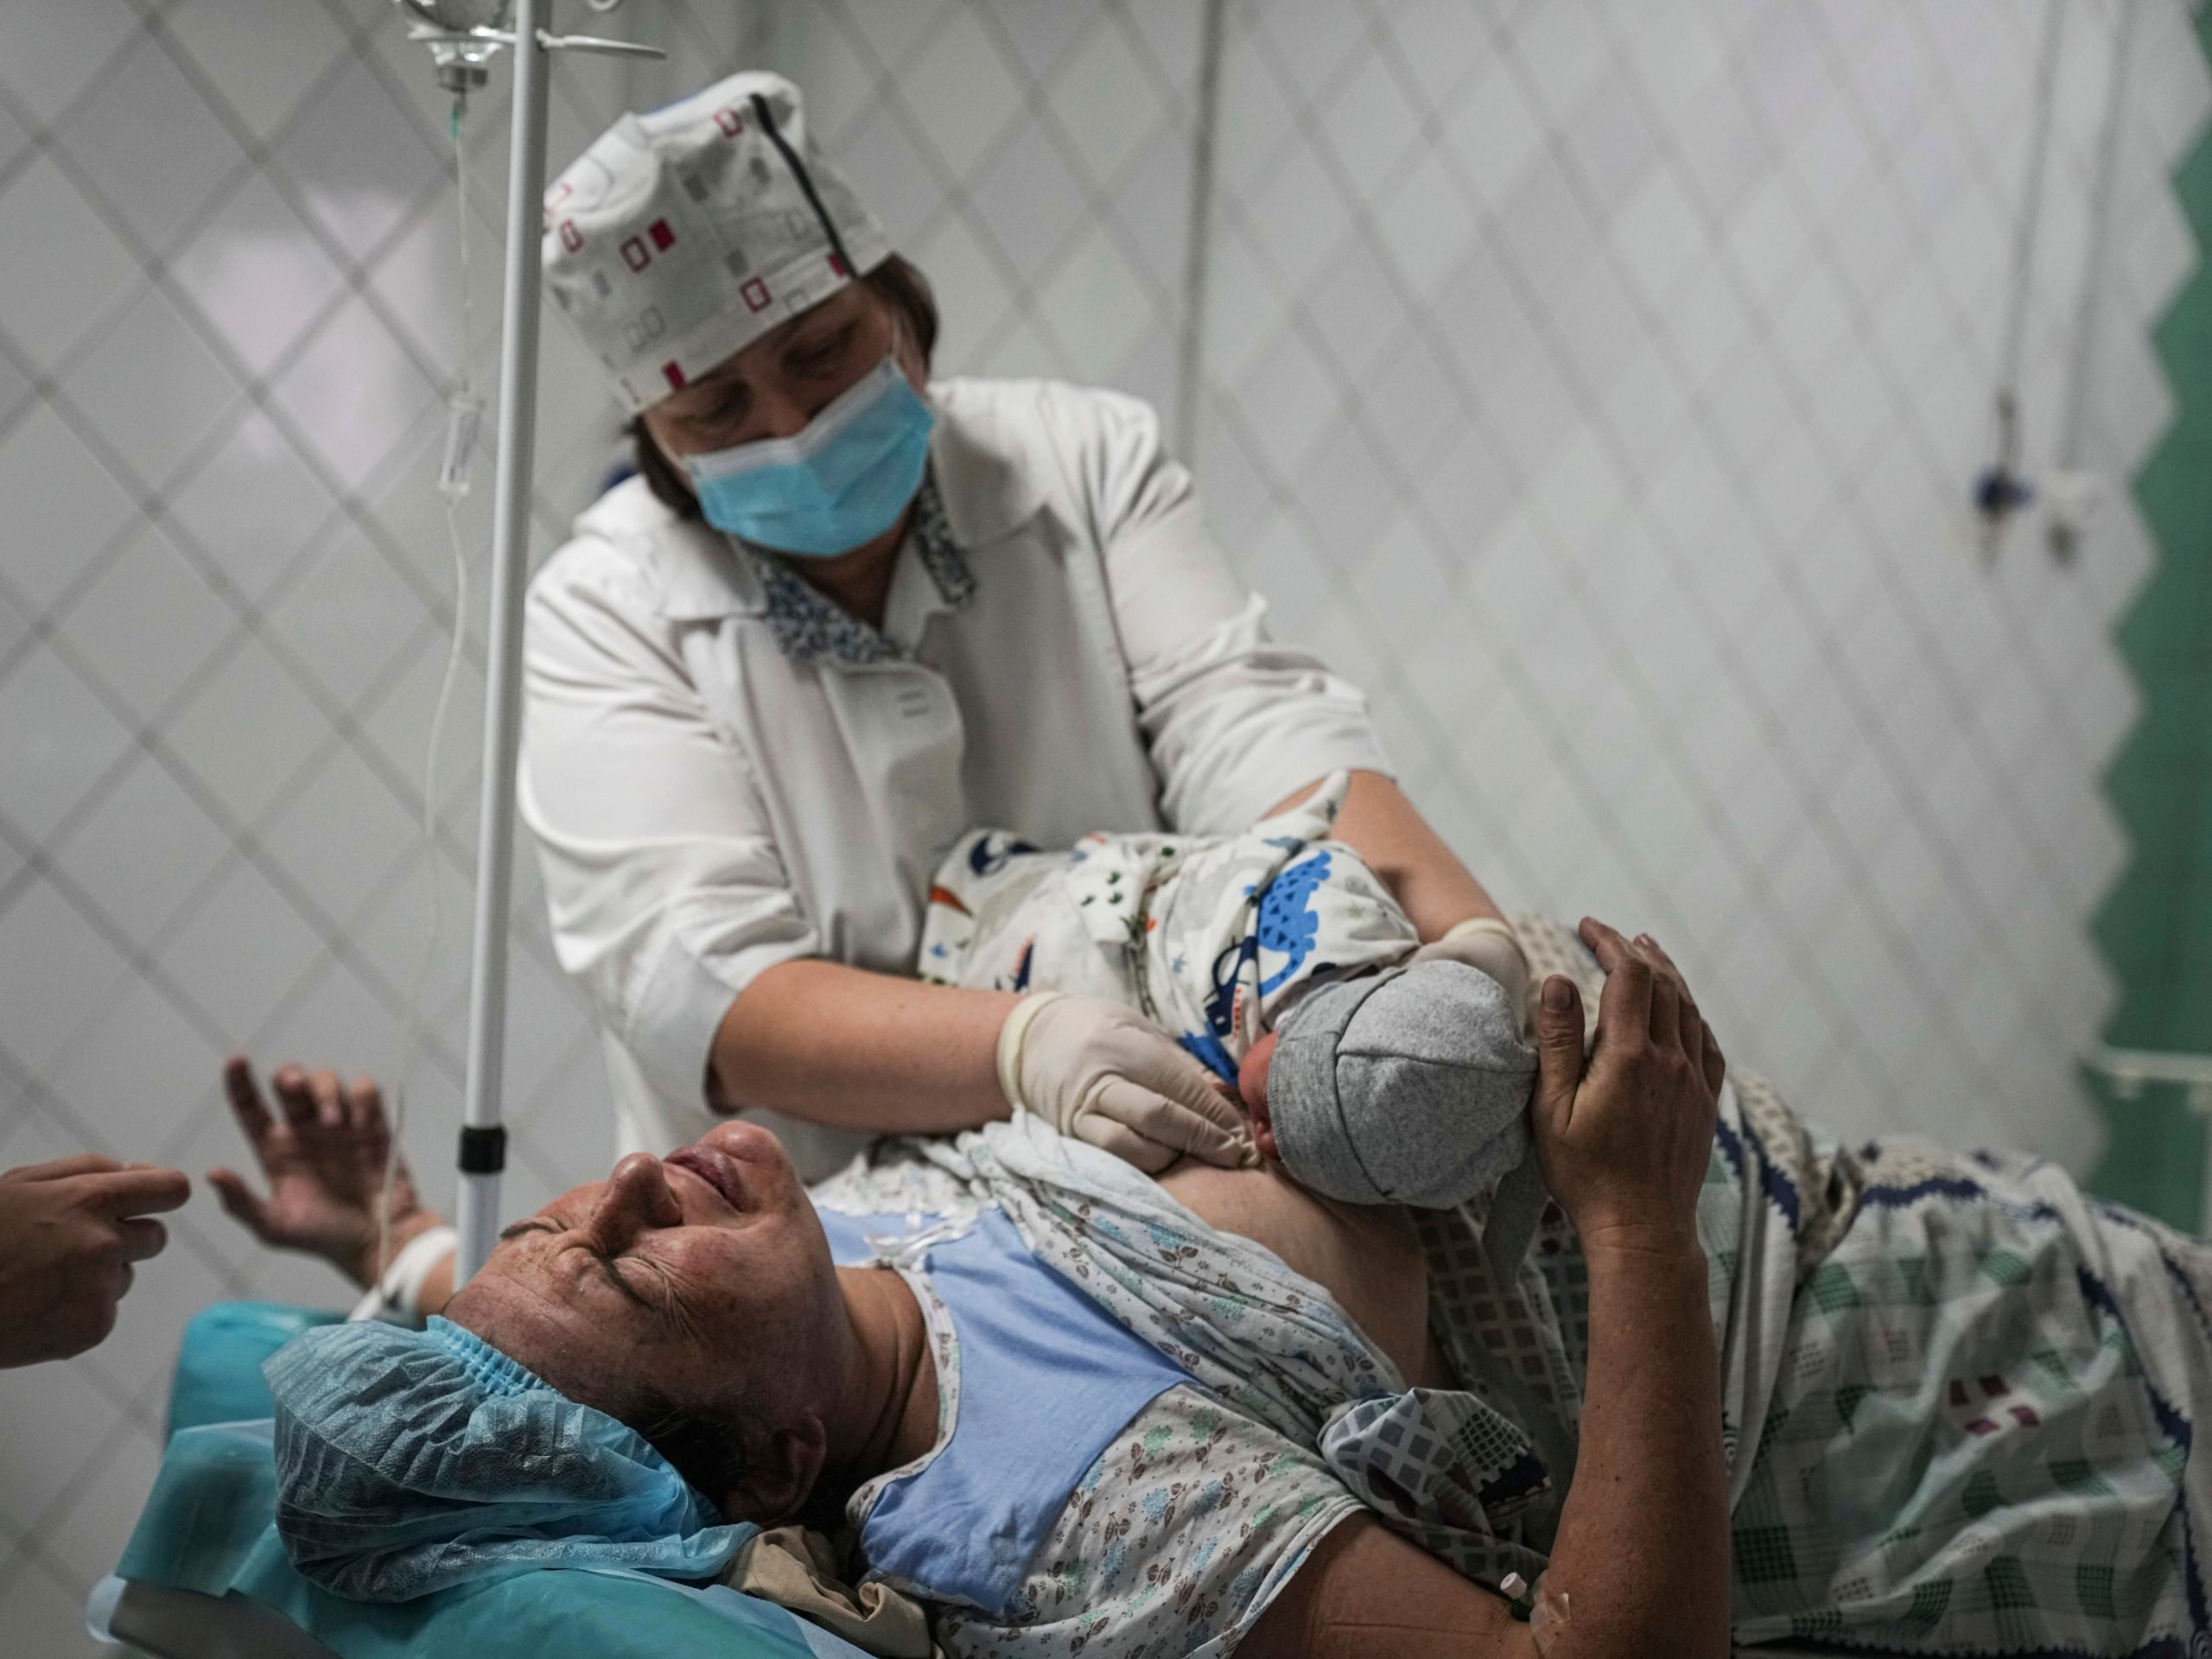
{"x": 2155, "y": 927}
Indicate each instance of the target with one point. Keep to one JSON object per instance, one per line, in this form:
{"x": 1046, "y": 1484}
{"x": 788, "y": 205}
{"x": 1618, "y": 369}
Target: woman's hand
{"x": 1094, "y": 1071}
{"x": 1624, "y": 1143}
{"x": 324, "y": 1160}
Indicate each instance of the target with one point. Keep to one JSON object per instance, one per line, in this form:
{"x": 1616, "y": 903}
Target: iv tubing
{"x": 452, "y": 484}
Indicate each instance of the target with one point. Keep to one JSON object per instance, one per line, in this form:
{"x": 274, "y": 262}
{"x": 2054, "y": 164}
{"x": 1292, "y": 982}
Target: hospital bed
{"x": 204, "y": 1576}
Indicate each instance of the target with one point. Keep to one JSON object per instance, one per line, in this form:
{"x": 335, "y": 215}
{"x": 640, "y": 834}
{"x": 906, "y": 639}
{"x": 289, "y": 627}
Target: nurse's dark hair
{"x": 897, "y": 282}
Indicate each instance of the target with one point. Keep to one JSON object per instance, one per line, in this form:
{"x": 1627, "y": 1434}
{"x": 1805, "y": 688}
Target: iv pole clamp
{"x": 463, "y": 35}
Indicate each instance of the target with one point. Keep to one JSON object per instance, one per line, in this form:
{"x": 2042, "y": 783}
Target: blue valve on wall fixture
{"x": 2001, "y": 491}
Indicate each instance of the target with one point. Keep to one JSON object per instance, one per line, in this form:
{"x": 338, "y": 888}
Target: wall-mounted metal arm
{"x": 2130, "y": 1068}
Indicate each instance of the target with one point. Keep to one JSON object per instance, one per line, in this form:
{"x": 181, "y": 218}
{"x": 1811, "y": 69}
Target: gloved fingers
{"x": 1176, "y": 1075}
{"x": 1215, "y": 1135}
{"x": 1474, "y": 949}
{"x": 1082, "y": 1055}
{"x": 1157, "y": 1063}
{"x": 1123, "y": 1142}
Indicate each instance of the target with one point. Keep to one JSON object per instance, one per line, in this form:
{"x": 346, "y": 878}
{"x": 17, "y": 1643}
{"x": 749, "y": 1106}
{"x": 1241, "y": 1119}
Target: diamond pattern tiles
{"x": 1034, "y": 160}
{"x": 216, "y": 381}
{"x": 1593, "y": 379}
{"x": 1601, "y": 384}
{"x": 228, "y": 317}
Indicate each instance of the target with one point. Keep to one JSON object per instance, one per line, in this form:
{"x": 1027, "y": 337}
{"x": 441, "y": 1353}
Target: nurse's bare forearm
{"x": 860, "y": 1050}
{"x": 1423, "y": 875}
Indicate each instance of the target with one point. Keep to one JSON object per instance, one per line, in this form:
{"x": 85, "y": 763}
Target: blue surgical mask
{"x": 844, "y": 479}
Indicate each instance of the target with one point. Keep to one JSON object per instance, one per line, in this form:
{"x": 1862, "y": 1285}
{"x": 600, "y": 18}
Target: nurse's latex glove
{"x": 69, "y": 1232}
{"x": 1490, "y": 946}
{"x": 1096, "y": 1071}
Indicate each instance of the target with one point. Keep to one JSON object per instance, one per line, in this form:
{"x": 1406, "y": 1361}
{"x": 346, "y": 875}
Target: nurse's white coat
{"x": 706, "y": 807}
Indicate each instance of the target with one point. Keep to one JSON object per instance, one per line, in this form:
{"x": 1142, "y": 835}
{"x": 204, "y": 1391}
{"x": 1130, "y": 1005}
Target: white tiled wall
{"x": 227, "y": 320}
{"x": 1598, "y": 383}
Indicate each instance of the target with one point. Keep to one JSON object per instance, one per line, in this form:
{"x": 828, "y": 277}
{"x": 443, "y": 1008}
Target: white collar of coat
{"x": 987, "y": 491}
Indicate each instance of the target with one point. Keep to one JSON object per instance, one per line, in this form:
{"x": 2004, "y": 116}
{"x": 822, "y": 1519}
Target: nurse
{"x": 844, "y": 612}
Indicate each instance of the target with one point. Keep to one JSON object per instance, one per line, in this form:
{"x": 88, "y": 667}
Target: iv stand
{"x": 461, "y": 40}
{"x": 483, "y": 1140}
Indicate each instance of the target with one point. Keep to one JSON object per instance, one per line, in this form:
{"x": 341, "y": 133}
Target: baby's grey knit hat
{"x": 1411, "y": 1086}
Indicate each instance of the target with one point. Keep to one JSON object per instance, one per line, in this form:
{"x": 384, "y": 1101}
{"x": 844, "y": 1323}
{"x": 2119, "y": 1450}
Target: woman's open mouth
{"x": 717, "y": 1169}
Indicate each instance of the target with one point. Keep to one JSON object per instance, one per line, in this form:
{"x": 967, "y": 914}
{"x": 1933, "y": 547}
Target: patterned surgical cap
{"x": 680, "y": 236}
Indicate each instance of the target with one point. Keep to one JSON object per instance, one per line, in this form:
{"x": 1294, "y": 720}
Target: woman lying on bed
{"x": 1745, "y": 1385}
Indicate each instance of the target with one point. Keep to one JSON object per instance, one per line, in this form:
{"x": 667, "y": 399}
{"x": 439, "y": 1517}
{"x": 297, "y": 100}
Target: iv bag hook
{"x": 464, "y": 35}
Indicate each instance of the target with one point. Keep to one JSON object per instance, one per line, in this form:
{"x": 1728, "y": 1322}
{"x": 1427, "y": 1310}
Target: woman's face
{"x": 701, "y": 1280}
{"x": 776, "y": 384}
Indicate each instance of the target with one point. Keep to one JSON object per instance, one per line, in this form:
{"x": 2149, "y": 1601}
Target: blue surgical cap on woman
{"x": 411, "y": 1461}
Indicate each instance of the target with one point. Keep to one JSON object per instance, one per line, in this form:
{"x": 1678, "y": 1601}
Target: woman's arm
{"x": 1364, "y": 1591}
{"x": 1642, "y": 1554}
{"x": 1635, "y": 1551}
{"x": 1625, "y": 1140}
{"x": 1423, "y": 875}
{"x": 1642, "y": 1546}
{"x": 860, "y": 1051}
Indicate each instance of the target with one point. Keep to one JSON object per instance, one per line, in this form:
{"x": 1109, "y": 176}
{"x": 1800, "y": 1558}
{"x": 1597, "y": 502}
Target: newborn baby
{"x": 1377, "y": 1071}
